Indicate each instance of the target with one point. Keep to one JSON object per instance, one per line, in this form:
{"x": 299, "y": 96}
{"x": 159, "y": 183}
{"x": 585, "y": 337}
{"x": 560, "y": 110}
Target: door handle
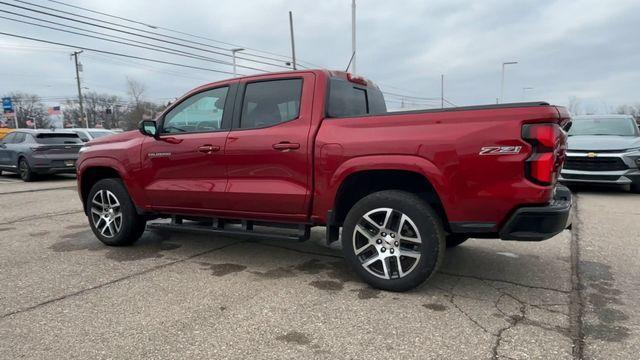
{"x": 208, "y": 149}
{"x": 286, "y": 146}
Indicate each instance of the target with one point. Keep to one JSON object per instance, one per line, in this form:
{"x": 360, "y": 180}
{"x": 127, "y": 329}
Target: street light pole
{"x": 293, "y": 43}
{"x": 442, "y": 91}
{"x": 233, "y": 52}
{"x": 75, "y": 56}
{"x": 353, "y": 35}
{"x": 502, "y": 80}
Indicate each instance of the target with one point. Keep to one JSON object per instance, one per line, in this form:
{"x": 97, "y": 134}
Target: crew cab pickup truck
{"x": 318, "y": 148}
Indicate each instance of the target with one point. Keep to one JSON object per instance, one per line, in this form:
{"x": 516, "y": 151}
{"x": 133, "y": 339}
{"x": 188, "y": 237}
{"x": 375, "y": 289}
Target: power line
{"x": 131, "y": 33}
{"x": 170, "y": 50}
{"x": 410, "y": 97}
{"x": 284, "y": 57}
{"x": 115, "y": 53}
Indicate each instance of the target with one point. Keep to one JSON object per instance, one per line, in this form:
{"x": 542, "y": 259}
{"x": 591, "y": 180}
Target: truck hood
{"x": 127, "y": 135}
{"x": 602, "y": 142}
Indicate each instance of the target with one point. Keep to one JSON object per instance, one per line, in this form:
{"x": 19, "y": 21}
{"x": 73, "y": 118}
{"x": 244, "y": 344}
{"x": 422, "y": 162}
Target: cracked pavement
{"x": 174, "y": 295}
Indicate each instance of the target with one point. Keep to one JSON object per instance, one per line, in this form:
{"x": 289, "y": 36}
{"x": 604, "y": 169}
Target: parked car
{"x": 318, "y": 148}
{"x": 33, "y": 152}
{"x": 88, "y": 134}
{"x": 603, "y": 149}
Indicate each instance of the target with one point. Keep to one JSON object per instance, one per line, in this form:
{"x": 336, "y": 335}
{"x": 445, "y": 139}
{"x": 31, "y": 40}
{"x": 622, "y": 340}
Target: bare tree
{"x": 633, "y": 110}
{"x": 100, "y": 109}
{"x": 135, "y": 90}
{"x": 28, "y": 107}
{"x": 139, "y": 109}
{"x": 574, "y": 106}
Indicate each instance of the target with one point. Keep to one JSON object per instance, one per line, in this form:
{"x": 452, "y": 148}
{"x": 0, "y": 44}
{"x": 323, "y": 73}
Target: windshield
{"x": 604, "y": 126}
{"x": 58, "y": 139}
{"x": 97, "y": 134}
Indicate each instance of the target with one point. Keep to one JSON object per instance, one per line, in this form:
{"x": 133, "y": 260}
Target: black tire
{"x": 132, "y": 225}
{"x": 24, "y": 170}
{"x": 429, "y": 229}
{"x": 454, "y": 240}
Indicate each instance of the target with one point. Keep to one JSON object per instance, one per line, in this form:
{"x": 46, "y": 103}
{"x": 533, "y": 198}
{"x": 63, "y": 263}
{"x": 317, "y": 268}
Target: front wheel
{"x": 393, "y": 240}
{"x": 112, "y": 215}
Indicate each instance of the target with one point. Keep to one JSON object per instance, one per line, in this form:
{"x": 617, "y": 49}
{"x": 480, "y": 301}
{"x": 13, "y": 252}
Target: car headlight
{"x": 83, "y": 149}
{"x": 634, "y": 150}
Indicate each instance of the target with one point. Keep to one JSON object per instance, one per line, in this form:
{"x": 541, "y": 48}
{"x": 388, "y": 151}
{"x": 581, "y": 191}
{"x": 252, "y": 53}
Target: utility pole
{"x": 233, "y": 52}
{"x": 293, "y": 43}
{"x": 75, "y": 56}
{"x": 502, "y": 80}
{"x": 442, "y": 91}
{"x": 353, "y": 35}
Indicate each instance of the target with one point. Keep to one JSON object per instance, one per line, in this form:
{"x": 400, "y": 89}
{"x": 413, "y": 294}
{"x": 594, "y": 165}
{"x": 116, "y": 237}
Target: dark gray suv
{"x": 32, "y": 152}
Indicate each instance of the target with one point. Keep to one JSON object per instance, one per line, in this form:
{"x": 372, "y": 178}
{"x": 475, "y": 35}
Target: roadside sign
{"x": 6, "y": 104}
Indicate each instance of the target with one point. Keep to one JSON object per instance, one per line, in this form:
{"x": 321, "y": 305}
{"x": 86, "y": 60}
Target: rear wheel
{"x": 393, "y": 240}
{"x": 112, "y": 215}
{"x": 24, "y": 170}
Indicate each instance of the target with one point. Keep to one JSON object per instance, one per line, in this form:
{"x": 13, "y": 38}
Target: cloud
{"x": 586, "y": 48}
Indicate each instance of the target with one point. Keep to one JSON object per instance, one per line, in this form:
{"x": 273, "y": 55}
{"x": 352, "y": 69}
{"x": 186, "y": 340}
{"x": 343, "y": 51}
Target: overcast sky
{"x": 585, "y": 49}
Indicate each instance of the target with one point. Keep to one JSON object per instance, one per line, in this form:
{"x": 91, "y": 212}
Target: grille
{"x": 594, "y": 164}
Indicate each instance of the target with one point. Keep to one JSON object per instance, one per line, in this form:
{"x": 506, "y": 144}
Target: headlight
{"x": 83, "y": 149}
{"x": 633, "y": 150}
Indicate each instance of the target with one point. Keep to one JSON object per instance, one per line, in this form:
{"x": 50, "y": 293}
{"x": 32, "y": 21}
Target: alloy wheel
{"x": 387, "y": 243}
{"x": 106, "y": 213}
{"x": 23, "y": 167}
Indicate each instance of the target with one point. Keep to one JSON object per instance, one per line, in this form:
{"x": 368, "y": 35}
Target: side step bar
{"x": 221, "y": 226}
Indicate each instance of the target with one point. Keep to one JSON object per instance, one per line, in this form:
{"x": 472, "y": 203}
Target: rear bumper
{"x": 540, "y": 222}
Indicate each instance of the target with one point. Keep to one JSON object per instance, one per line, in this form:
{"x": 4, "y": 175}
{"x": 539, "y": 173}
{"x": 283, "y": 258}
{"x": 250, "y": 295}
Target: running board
{"x": 246, "y": 228}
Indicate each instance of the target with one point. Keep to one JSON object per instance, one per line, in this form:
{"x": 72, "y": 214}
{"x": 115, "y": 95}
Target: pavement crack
{"x": 465, "y": 314}
{"x": 505, "y": 281}
{"x": 39, "y": 190}
{"x": 114, "y": 281}
{"x": 450, "y": 295}
{"x": 42, "y": 216}
{"x": 513, "y": 321}
{"x": 576, "y": 303}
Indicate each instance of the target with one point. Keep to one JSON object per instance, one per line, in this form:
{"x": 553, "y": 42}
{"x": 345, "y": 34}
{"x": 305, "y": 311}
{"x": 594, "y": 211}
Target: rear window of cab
{"x": 347, "y": 99}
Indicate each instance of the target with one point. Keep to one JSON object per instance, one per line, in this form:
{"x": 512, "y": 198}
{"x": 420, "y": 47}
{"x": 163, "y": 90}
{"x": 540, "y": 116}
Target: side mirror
{"x": 148, "y": 128}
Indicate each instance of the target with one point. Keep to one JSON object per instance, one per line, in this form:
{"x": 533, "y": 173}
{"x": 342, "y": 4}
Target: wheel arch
{"x": 366, "y": 175}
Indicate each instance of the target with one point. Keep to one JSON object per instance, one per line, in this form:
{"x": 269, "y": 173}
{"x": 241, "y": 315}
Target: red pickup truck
{"x": 318, "y": 148}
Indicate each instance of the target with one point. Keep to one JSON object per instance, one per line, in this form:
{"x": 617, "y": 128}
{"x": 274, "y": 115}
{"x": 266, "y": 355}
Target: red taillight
{"x": 548, "y": 142}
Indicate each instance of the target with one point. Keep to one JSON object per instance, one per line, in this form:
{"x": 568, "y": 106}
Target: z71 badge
{"x": 500, "y": 150}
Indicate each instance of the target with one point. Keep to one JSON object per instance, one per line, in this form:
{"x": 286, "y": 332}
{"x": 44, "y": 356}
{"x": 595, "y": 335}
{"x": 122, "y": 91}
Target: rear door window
{"x": 268, "y": 103}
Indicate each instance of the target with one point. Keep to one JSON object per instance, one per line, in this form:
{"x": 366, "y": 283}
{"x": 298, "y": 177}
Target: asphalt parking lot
{"x": 65, "y": 295}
